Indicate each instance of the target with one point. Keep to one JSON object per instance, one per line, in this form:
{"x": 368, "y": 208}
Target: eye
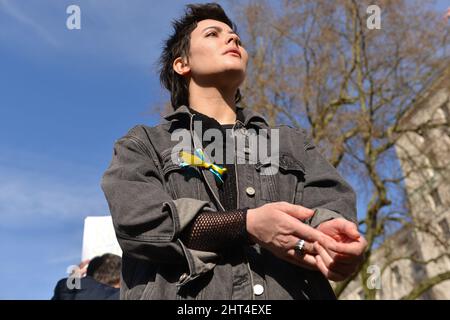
{"x": 215, "y": 33}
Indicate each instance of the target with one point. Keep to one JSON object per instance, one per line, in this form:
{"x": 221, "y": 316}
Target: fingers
{"x": 307, "y": 261}
{"x": 352, "y": 249}
{"x": 348, "y": 228}
{"x": 84, "y": 263}
{"x": 307, "y": 233}
{"x": 295, "y": 211}
{"x": 331, "y": 264}
{"x": 349, "y": 251}
{"x": 308, "y": 248}
{"x": 289, "y": 242}
{"x": 345, "y": 253}
{"x": 330, "y": 268}
{"x": 329, "y": 274}
{"x": 286, "y": 251}
{"x": 331, "y": 247}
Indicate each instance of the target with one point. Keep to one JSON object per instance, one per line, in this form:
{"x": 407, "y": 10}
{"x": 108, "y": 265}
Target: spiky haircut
{"x": 178, "y": 45}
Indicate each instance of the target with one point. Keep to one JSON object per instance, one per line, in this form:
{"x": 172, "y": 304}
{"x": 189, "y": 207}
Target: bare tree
{"x": 316, "y": 64}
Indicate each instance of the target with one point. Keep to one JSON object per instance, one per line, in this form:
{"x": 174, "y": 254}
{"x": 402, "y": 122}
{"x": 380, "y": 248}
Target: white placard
{"x": 99, "y": 238}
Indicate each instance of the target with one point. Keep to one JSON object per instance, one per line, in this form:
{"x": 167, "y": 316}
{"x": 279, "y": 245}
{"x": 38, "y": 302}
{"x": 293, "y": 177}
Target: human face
{"x": 209, "y": 58}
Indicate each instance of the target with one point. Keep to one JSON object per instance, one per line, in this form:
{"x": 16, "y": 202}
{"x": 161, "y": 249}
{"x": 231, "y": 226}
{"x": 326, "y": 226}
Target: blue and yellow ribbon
{"x": 198, "y": 160}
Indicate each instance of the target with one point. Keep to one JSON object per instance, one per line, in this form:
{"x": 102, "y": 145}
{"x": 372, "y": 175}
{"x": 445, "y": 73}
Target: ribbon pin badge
{"x": 198, "y": 160}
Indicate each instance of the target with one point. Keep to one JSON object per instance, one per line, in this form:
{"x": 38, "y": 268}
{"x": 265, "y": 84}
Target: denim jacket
{"x": 152, "y": 199}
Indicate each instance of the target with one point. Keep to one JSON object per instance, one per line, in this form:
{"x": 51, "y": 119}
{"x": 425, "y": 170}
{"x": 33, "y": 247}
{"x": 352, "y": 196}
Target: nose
{"x": 232, "y": 37}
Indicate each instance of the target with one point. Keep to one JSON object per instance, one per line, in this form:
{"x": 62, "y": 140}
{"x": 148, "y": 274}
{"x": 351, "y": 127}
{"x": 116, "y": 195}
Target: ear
{"x": 181, "y": 67}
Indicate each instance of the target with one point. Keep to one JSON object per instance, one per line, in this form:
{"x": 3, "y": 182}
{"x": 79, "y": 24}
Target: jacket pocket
{"x": 184, "y": 182}
{"x": 281, "y": 180}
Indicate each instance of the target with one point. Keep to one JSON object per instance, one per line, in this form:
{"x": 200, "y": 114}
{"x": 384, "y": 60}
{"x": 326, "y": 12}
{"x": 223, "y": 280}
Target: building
{"x": 425, "y": 159}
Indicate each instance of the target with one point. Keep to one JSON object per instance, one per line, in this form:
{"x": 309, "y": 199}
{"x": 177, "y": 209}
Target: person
{"x": 99, "y": 280}
{"x": 196, "y": 219}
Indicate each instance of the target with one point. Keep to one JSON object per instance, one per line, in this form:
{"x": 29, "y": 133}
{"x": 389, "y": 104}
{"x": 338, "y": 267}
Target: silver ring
{"x": 300, "y": 247}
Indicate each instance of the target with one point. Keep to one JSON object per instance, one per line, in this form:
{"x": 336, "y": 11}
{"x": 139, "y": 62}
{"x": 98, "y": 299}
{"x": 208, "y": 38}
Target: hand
{"x": 277, "y": 227}
{"x": 339, "y": 260}
{"x": 81, "y": 271}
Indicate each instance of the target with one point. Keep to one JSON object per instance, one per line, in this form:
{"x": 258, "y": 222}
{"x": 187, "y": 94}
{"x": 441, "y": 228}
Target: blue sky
{"x": 65, "y": 96}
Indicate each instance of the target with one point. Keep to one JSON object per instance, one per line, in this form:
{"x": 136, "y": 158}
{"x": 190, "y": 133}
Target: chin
{"x": 235, "y": 68}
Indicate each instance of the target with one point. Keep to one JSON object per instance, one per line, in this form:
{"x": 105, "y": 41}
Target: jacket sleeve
{"x": 325, "y": 190}
{"x": 146, "y": 219}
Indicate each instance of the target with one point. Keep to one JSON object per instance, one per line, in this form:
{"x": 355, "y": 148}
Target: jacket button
{"x": 250, "y": 191}
{"x": 258, "y": 289}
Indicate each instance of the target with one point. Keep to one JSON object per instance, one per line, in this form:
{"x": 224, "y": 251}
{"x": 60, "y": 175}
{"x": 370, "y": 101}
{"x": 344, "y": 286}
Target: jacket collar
{"x": 249, "y": 116}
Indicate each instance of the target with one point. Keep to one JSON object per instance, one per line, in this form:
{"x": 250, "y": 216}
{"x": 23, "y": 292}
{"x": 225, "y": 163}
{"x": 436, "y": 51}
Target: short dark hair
{"x": 105, "y": 269}
{"x": 178, "y": 45}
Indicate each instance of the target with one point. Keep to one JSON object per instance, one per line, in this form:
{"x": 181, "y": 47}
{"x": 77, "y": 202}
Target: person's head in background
{"x": 106, "y": 269}
{"x": 195, "y": 66}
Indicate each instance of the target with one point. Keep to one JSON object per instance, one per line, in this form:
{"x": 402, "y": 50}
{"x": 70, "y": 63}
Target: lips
{"x": 233, "y": 51}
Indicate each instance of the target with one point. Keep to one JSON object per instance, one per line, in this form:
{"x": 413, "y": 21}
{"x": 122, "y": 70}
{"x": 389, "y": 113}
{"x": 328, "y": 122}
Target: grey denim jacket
{"x": 152, "y": 199}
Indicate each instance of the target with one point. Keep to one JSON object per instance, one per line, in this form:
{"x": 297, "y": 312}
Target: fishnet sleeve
{"x": 213, "y": 231}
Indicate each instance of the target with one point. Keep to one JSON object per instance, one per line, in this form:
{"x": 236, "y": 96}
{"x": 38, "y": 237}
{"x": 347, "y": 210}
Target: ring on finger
{"x": 299, "y": 247}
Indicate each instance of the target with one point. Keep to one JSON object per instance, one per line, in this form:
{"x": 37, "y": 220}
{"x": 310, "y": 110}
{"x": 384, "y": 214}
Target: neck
{"x": 214, "y": 102}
